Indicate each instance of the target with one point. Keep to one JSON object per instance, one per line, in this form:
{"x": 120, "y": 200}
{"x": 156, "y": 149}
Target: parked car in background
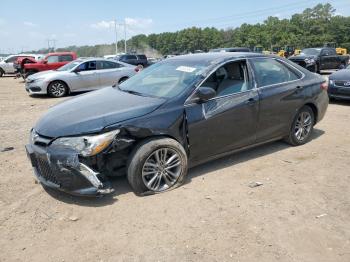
{"x": 6, "y": 65}
{"x": 173, "y": 115}
{"x": 138, "y": 60}
{"x": 317, "y": 59}
{"x": 26, "y": 59}
{"x": 79, "y": 75}
{"x": 230, "y": 49}
{"x": 51, "y": 61}
{"x": 339, "y": 84}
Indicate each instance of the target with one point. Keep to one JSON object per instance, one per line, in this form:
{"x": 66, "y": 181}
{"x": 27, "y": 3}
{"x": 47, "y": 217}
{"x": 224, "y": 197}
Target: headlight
{"x": 87, "y": 145}
{"x": 331, "y": 82}
{"x": 310, "y": 61}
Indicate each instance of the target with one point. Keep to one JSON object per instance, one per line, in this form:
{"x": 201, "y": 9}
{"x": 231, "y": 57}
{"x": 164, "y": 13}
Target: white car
{"x": 79, "y": 75}
{"x": 6, "y": 65}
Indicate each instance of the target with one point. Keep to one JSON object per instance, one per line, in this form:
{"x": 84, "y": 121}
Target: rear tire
{"x": 156, "y": 166}
{"x": 57, "y": 89}
{"x": 302, "y": 127}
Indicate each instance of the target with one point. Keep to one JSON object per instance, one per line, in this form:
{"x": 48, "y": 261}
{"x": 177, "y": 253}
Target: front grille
{"x": 45, "y": 171}
{"x": 342, "y": 83}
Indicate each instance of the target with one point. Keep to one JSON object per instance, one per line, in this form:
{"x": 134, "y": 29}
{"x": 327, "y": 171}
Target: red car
{"x": 51, "y": 61}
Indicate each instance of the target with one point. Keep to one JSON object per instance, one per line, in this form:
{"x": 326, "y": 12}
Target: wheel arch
{"x": 314, "y": 110}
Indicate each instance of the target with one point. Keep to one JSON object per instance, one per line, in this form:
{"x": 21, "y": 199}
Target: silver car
{"x": 80, "y": 75}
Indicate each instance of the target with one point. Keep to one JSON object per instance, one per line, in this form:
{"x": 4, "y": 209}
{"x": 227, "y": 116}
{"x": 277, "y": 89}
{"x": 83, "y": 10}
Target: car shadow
{"x": 243, "y": 156}
{"x": 341, "y": 102}
{"x": 121, "y": 185}
{"x": 43, "y": 96}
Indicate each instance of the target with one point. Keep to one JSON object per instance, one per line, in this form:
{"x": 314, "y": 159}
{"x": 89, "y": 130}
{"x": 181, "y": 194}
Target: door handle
{"x": 250, "y": 101}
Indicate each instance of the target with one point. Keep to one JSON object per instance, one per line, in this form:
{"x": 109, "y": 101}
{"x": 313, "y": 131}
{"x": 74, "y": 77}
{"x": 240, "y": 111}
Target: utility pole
{"x": 116, "y": 37}
{"x": 124, "y": 36}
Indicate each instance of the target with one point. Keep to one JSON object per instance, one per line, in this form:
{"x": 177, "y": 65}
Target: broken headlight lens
{"x": 87, "y": 145}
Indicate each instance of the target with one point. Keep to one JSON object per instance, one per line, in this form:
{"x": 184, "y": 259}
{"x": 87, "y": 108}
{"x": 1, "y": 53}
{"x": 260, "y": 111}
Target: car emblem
{"x": 347, "y": 83}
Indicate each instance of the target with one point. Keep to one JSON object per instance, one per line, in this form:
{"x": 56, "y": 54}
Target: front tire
{"x": 57, "y": 89}
{"x": 302, "y": 127}
{"x": 1, "y": 72}
{"x": 156, "y": 165}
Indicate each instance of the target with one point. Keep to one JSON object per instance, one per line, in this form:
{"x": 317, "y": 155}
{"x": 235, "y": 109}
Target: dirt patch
{"x": 300, "y": 212}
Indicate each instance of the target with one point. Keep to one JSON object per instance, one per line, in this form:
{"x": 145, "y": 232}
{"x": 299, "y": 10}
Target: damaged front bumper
{"x": 59, "y": 168}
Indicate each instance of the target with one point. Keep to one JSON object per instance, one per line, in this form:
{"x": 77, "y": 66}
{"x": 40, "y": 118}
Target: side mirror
{"x": 205, "y": 93}
{"x": 77, "y": 70}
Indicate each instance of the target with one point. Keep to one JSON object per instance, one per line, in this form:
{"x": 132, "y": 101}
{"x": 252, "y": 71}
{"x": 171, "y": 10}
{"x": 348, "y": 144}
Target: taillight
{"x": 324, "y": 86}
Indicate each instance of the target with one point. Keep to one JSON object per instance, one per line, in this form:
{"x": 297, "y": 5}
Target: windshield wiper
{"x": 132, "y": 92}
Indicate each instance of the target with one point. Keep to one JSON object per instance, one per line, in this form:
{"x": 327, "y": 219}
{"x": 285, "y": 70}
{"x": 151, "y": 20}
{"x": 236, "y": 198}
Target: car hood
{"x": 343, "y": 74}
{"x": 47, "y": 73}
{"x": 90, "y": 113}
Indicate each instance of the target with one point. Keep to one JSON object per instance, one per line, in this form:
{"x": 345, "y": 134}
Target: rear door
{"x": 228, "y": 121}
{"x": 109, "y": 72}
{"x": 280, "y": 94}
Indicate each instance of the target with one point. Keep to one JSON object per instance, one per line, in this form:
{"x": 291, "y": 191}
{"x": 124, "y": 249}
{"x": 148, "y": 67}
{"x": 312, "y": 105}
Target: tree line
{"x": 311, "y": 28}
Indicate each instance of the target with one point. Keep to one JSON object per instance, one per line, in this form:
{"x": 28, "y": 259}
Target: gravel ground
{"x": 299, "y": 213}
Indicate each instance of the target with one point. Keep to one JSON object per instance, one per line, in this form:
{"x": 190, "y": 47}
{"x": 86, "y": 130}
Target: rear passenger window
{"x": 141, "y": 57}
{"x": 271, "y": 72}
{"x": 107, "y": 65}
{"x": 52, "y": 59}
{"x": 65, "y": 58}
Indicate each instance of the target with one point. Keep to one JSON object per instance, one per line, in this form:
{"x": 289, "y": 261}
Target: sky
{"x": 27, "y": 25}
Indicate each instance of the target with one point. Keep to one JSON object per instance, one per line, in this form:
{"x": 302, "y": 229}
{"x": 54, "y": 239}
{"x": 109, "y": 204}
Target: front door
{"x": 86, "y": 79}
{"x": 228, "y": 121}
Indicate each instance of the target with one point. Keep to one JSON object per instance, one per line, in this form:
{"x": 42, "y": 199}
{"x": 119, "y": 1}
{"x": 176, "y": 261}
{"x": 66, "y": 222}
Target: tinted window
{"x": 141, "y": 56}
{"x": 52, "y": 59}
{"x": 11, "y": 59}
{"x": 87, "y": 66}
{"x": 130, "y": 57}
{"x": 332, "y": 52}
{"x": 107, "y": 65}
{"x": 65, "y": 58}
{"x": 229, "y": 79}
{"x": 271, "y": 71}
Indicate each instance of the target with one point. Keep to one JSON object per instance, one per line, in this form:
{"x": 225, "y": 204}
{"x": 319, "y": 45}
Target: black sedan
{"x": 177, "y": 113}
{"x": 339, "y": 84}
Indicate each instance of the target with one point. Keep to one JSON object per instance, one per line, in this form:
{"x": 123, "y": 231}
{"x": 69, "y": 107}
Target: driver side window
{"x": 88, "y": 66}
{"x": 229, "y": 79}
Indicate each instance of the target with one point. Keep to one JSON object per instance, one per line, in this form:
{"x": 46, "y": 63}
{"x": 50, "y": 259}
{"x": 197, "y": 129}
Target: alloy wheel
{"x": 162, "y": 169}
{"x": 57, "y": 89}
{"x": 303, "y": 126}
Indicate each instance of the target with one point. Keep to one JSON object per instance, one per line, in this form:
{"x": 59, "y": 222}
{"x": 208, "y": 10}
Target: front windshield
{"x": 165, "y": 79}
{"x": 311, "y": 51}
{"x": 69, "y": 66}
